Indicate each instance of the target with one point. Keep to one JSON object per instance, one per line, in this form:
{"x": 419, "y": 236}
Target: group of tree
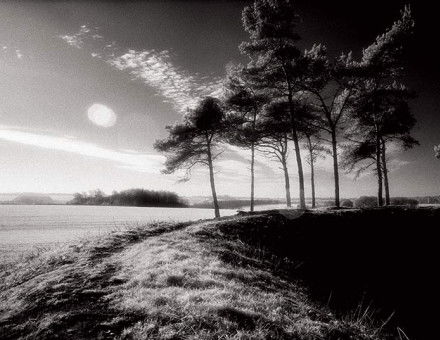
{"x": 306, "y": 100}
{"x": 131, "y": 197}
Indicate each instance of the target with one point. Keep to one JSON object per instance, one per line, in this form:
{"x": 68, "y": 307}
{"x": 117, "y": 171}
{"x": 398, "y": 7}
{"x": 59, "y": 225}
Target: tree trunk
{"x": 252, "y": 175}
{"x": 254, "y": 122}
{"x": 286, "y": 181}
{"x": 211, "y": 178}
{"x": 379, "y": 173}
{"x": 385, "y": 173}
{"x": 312, "y": 172}
{"x": 335, "y": 167}
{"x": 302, "y": 200}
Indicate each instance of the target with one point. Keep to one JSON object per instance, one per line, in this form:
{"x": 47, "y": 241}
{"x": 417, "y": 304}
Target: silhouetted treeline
{"x": 131, "y": 197}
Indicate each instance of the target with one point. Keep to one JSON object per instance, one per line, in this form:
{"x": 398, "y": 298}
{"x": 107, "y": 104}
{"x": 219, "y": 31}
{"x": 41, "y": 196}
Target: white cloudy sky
{"x": 143, "y": 64}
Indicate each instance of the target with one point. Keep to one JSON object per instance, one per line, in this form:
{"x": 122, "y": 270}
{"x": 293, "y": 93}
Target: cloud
{"x": 76, "y": 39}
{"x": 135, "y": 161}
{"x": 155, "y": 68}
{"x": 396, "y": 164}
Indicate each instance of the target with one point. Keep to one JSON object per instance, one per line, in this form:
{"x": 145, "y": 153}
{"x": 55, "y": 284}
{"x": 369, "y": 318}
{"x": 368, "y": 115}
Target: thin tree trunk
{"x": 335, "y": 168}
{"x": 312, "y": 171}
{"x": 302, "y": 200}
{"x": 286, "y": 181}
{"x": 252, "y": 175}
{"x": 312, "y": 167}
{"x": 379, "y": 173}
{"x": 211, "y": 178}
{"x": 385, "y": 173}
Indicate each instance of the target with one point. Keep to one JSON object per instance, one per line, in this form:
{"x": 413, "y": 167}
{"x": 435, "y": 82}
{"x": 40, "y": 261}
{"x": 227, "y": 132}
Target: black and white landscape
{"x": 253, "y": 169}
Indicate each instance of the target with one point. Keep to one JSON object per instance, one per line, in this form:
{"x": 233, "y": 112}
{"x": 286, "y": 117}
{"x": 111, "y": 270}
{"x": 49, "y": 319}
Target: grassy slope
{"x": 165, "y": 281}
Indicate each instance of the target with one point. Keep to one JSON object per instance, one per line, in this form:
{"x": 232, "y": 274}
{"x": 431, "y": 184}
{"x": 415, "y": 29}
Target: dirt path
{"x": 72, "y": 295}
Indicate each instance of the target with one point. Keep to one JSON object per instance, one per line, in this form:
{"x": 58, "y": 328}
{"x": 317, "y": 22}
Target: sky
{"x": 87, "y": 87}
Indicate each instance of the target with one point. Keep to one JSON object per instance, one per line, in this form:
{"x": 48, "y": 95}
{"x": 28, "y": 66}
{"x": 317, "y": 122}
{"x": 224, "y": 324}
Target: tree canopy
{"x": 193, "y": 141}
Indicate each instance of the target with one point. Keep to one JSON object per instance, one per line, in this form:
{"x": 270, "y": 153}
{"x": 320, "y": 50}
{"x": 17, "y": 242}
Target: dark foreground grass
{"x": 377, "y": 266}
{"x": 237, "y": 278}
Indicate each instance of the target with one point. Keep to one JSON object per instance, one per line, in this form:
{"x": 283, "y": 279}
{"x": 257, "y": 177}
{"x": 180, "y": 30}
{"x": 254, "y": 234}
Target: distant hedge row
{"x": 131, "y": 197}
{"x": 371, "y": 202}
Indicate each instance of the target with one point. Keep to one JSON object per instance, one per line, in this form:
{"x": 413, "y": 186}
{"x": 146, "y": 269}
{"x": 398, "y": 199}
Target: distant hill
{"x": 57, "y": 198}
{"x": 30, "y": 198}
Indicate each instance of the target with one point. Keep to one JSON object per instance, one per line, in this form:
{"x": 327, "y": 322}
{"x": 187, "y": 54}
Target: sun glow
{"x": 101, "y": 115}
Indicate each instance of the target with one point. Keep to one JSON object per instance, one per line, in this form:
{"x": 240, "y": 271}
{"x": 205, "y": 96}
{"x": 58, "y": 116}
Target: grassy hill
{"x": 259, "y": 276}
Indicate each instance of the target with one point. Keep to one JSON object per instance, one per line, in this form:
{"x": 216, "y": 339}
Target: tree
{"x": 193, "y": 142}
{"x": 398, "y": 122}
{"x": 310, "y": 128}
{"x": 380, "y": 101}
{"x": 244, "y": 105}
{"x": 359, "y": 155}
{"x": 392, "y": 125}
{"x": 383, "y": 115}
{"x": 131, "y": 197}
{"x": 274, "y": 57}
{"x": 330, "y": 86}
{"x": 274, "y": 129}
{"x": 315, "y": 149}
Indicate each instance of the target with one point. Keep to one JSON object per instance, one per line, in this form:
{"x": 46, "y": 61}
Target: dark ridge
{"x": 372, "y": 263}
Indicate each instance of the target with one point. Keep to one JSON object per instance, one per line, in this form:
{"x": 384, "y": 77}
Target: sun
{"x": 101, "y": 115}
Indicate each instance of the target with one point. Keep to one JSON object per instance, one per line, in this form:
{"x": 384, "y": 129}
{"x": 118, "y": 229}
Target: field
{"x": 33, "y": 228}
{"x": 268, "y": 275}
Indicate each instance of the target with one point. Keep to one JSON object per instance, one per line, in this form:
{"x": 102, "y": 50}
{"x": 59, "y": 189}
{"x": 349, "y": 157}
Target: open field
{"x": 269, "y": 275}
{"x": 34, "y": 228}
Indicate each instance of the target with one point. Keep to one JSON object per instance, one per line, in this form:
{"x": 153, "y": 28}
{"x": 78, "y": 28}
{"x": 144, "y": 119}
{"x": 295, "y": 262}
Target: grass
{"x": 202, "y": 280}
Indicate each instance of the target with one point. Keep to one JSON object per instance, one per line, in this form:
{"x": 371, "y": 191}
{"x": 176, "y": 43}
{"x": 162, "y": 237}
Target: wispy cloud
{"x": 76, "y": 39}
{"x": 130, "y": 160}
{"x": 155, "y": 68}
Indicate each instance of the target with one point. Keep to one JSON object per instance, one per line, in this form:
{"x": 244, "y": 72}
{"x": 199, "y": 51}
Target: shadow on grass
{"x": 381, "y": 261}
